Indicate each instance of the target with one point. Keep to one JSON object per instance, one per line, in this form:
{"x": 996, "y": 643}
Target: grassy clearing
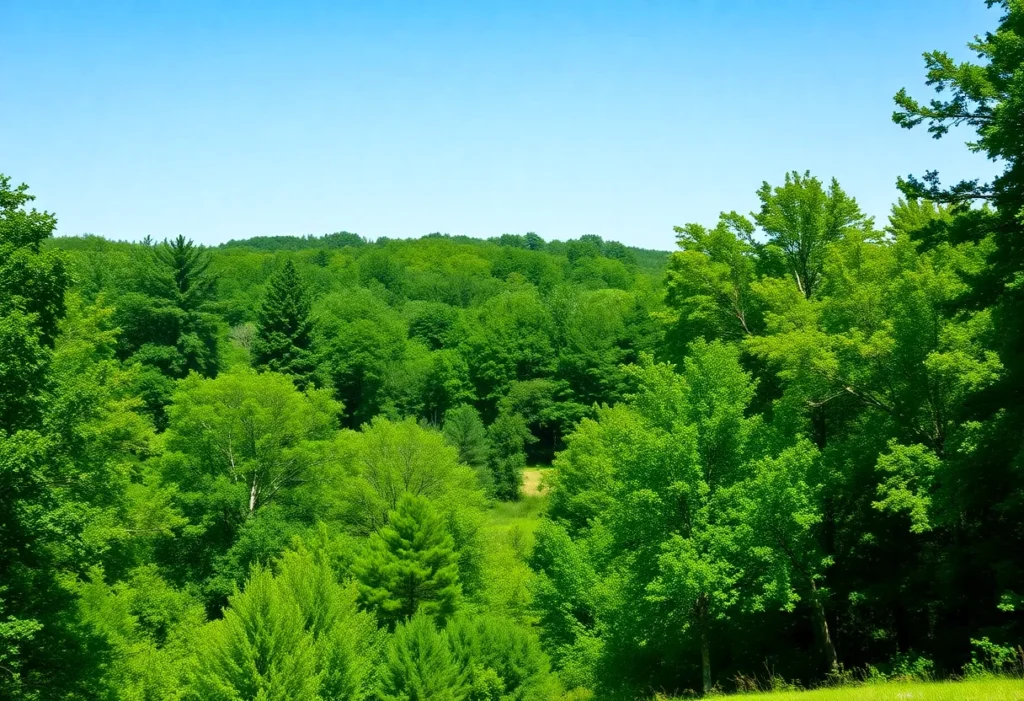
{"x": 994, "y": 689}
{"x": 533, "y": 481}
{"x": 523, "y": 515}
{"x": 508, "y": 531}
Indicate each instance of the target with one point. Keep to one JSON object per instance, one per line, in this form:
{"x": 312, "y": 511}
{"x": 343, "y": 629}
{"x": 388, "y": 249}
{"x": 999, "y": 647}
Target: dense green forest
{"x": 291, "y": 468}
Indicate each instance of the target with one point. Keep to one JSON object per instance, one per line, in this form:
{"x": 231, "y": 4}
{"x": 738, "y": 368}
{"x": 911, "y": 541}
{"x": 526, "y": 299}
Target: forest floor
{"x": 994, "y": 689}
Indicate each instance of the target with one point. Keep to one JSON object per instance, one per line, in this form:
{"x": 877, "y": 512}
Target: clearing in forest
{"x": 532, "y": 481}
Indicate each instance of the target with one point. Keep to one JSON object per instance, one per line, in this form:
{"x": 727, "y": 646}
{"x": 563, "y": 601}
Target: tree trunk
{"x": 253, "y": 493}
{"x": 828, "y": 650}
{"x": 705, "y": 658}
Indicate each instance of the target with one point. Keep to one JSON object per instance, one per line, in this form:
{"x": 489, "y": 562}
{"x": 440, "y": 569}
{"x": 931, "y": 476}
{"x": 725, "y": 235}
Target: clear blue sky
{"x": 226, "y": 120}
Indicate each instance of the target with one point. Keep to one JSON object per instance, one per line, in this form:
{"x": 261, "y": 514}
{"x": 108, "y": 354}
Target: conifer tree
{"x": 421, "y": 665}
{"x": 284, "y": 331}
{"x": 410, "y": 565}
{"x": 259, "y": 650}
{"x": 465, "y": 431}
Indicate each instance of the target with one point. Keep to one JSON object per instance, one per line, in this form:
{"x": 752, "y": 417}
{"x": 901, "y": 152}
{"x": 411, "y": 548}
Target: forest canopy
{"x": 293, "y": 467}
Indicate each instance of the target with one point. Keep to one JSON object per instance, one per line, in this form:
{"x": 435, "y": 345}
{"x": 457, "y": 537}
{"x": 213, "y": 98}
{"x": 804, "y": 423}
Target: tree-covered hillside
{"x": 292, "y": 468}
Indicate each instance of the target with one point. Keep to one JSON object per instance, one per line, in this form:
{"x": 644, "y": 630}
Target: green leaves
{"x": 709, "y": 281}
{"x": 238, "y": 445}
{"x": 908, "y": 473}
{"x": 802, "y": 220}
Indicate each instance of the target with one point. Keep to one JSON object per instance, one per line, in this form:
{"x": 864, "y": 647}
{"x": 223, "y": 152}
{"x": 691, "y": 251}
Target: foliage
{"x": 292, "y": 467}
{"x": 419, "y": 664}
{"x": 244, "y": 451}
{"x": 284, "y": 331}
{"x": 507, "y": 437}
{"x": 409, "y": 566}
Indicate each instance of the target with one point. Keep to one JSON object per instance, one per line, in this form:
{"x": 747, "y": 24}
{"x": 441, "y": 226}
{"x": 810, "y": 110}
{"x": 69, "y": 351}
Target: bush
{"x": 991, "y": 658}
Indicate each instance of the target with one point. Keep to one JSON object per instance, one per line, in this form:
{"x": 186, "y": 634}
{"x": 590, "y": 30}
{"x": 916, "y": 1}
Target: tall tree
{"x": 284, "y": 330}
{"x": 32, "y": 285}
{"x": 507, "y": 437}
{"x": 709, "y": 280}
{"x": 44, "y": 648}
{"x": 419, "y": 664}
{"x": 650, "y": 490}
{"x": 986, "y": 96}
{"x": 801, "y": 220}
{"x": 410, "y": 566}
{"x": 243, "y": 451}
{"x": 259, "y": 650}
{"x": 166, "y": 321}
{"x": 182, "y": 274}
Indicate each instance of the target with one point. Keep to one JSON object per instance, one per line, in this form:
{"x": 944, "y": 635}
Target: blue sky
{"x": 226, "y": 120}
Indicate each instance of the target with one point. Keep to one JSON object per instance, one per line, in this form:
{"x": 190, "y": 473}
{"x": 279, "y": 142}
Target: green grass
{"x": 514, "y": 522}
{"x": 994, "y": 689}
{"x": 523, "y": 514}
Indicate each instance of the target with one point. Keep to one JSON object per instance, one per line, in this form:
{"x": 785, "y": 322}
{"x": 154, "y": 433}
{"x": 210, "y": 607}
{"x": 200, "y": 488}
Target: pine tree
{"x": 259, "y": 650}
{"x": 347, "y": 641}
{"x": 420, "y": 665}
{"x": 182, "y": 274}
{"x": 410, "y": 565}
{"x": 503, "y": 658}
{"x": 465, "y": 431}
{"x": 284, "y": 331}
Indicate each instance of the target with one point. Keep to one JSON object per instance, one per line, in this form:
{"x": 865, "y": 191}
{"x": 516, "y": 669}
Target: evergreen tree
{"x": 166, "y": 321}
{"x": 409, "y": 565}
{"x": 259, "y": 650}
{"x": 182, "y": 274}
{"x": 284, "y": 331}
{"x": 465, "y": 431}
{"x": 420, "y": 665}
{"x": 503, "y": 659}
{"x": 347, "y": 641}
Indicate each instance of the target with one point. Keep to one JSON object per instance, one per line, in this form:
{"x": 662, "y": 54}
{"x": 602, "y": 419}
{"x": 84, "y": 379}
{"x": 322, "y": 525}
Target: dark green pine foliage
{"x": 166, "y": 321}
{"x": 504, "y": 660}
{"x": 409, "y": 565}
{"x": 182, "y": 275}
{"x": 284, "y": 330}
{"x": 465, "y": 431}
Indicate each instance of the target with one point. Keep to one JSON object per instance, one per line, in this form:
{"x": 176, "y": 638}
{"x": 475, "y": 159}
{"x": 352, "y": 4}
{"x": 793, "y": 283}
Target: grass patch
{"x": 523, "y": 514}
{"x": 508, "y": 532}
{"x": 533, "y": 481}
{"x": 989, "y": 689}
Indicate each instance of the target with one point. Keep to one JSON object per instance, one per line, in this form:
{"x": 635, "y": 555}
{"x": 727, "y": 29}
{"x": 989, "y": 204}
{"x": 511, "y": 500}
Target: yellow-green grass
{"x": 517, "y": 520}
{"x": 989, "y": 689}
{"x": 533, "y": 481}
{"x": 508, "y": 532}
